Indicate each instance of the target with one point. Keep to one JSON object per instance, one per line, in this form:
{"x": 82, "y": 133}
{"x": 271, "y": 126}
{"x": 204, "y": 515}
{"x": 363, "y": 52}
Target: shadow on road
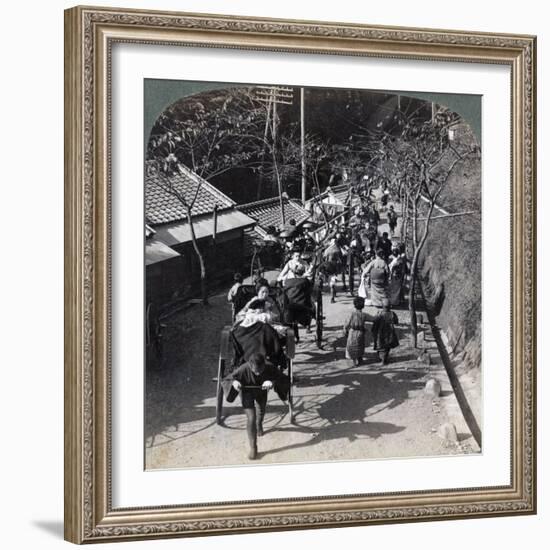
{"x": 180, "y": 396}
{"x": 350, "y": 430}
{"x": 345, "y": 415}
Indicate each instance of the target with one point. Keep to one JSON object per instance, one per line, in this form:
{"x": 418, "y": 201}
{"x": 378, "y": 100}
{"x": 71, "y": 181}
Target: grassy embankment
{"x": 451, "y": 272}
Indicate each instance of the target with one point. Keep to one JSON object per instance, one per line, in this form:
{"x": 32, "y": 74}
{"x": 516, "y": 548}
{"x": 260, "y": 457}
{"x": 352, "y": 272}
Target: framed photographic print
{"x": 299, "y": 279}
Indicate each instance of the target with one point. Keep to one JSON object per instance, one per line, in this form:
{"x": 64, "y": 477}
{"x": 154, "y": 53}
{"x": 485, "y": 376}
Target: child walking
{"x": 355, "y": 331}
{"x": 384, "y": 333}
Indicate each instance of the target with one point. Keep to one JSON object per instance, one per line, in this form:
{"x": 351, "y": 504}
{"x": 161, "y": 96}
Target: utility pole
{"x": 273, "y": 96}
{"x": 266, "y": 132}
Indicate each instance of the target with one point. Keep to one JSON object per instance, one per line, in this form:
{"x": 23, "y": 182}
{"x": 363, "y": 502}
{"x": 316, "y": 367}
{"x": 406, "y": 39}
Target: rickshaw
{"x": 313, "y": 302}
{"x": 230, "y": 357}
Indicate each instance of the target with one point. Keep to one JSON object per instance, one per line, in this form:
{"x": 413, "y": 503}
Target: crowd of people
{"x": 354, "y": 246}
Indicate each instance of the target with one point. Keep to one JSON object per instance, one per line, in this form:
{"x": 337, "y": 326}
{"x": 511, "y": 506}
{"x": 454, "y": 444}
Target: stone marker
{"x": 433, "y": 387}
{"x": 447, "y": 432}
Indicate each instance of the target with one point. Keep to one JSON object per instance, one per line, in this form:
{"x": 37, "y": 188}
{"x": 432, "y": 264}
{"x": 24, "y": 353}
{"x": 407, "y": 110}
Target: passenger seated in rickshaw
{"x": 269, "y": 307}
{"x": 255, "y": 334}
{"x": 257, "y": 330}
{"x": 289, "y": 270}
{"x": 298, "y": 307}
{"x": 253, "y": 379}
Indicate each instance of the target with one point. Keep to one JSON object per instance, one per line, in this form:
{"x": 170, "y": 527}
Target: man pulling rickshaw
{"x": 258, "y": 330}
{"x": 253, "y": 380}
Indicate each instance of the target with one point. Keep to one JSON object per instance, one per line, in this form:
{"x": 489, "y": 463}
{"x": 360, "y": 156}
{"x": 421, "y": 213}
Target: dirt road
{"x": 342, "y": 412}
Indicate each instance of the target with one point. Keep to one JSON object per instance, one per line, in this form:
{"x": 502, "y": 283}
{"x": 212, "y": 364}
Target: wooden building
{"x": 172, "y": 265}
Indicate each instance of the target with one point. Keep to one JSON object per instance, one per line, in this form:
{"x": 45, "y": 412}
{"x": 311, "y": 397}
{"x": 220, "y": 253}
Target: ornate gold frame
{"x": 89, "y": 34}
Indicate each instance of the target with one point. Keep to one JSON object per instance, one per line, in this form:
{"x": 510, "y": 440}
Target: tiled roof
{"x": 268, "y": 211}
{"x": 340, "y": 192}
{"x": 162, "y": 207}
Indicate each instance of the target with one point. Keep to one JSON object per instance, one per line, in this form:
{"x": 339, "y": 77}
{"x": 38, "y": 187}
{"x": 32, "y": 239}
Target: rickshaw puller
{"x": 253, "y": 379}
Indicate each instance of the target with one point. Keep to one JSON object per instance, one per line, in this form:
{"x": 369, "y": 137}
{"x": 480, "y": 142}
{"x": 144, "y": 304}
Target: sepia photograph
{"x": 313, "y": 274}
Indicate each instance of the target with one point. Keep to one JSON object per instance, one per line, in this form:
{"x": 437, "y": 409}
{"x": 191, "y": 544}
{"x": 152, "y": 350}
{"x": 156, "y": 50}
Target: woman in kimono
{"x": 333, "y": 262}
{"x": 376, "y": 276}
{"x": 398, "y": 271}
{"x": 289, "y": 270}
{"x": 384, "y": 333}
{"x": 364, "y": 283}
{"x": 355, "y": 331}
{"x": 258, "y": 328}
{"x": 263, "y": 302}
{"x": 392, "y": 219}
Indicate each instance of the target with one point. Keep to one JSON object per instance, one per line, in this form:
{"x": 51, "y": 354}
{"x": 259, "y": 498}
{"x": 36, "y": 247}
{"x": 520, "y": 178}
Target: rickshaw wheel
{"x": 290, "y": 351}
{"x": 351, "y": 275}
{"x": 219, "y": 391}
{"x": 319, "y": 320}
{"x": 290, "y": 397}
{"x": 222, "y": 361}
{"x": 290, "y": 343}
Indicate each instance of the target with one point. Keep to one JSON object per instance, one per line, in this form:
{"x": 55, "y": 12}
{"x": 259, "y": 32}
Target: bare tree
{"x": 164, "y": 180}
{"x": 415, "y": 159}
{"x": 217, "y": 132}
{"x": 209, "y": 134}
{"x": 317, "y": 154}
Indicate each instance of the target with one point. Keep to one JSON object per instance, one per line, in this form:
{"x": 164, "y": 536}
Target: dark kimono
{"x": 398, "y": 271}
{"x": 392, "y": 220}
{"x": 297, "y": 295}
{"x": 257, "y": 338}
{"x": 385, "y": 245}
{"x": 334, "y": 259}
{"x": 383, "y": 331}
